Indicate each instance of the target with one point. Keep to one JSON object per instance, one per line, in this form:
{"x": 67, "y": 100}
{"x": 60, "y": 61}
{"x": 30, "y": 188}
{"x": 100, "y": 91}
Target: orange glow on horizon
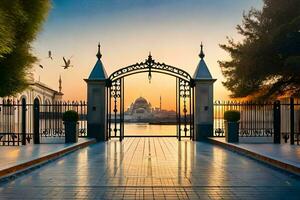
{"x": 172, "y": 34}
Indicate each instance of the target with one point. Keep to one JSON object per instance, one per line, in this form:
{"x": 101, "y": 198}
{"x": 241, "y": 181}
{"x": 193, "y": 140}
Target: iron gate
{"x": 184, "y": 97}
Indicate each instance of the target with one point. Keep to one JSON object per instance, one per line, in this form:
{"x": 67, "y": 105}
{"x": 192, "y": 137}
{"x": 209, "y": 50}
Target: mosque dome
{"x": 141, "y": 100}
{"x": 141, "y": 103}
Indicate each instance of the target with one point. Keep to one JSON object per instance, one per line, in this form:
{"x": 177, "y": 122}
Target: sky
{"x": 128, "y": 30}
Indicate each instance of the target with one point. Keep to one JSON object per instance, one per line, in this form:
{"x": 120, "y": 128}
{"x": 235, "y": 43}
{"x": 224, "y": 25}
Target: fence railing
{"x": 20, "y": 123}
{"x": 51, "y": 123}
{"x": 256, "y": 118}
{"x": 290, "y": 121}
{"x": 11, "y": 128}
{"x": 262, "y": 119}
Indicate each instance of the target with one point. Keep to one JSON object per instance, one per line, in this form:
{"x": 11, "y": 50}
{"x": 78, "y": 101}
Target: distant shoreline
{"x": 163, "y": 123}
{"x": 153, "y": 123}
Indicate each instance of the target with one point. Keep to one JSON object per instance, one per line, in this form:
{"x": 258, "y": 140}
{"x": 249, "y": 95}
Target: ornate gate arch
{"x": 184, "y": 97}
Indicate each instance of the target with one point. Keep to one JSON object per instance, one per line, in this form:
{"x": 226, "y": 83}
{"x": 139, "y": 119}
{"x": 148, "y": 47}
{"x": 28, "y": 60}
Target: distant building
{"x": 41, "y": 92}
{"x": 142, "y": 111}
{"x": 11, "y": 108}
{"x": 139, "y": 110}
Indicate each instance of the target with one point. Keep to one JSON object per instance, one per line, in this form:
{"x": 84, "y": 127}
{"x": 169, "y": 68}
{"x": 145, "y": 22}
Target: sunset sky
{"x": 128, "y": 29}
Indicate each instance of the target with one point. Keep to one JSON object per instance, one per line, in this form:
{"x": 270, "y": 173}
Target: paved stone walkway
{"x": 11, "y": 156}
{"x": 284, "y": 152}
{"x": 153, "y": 168}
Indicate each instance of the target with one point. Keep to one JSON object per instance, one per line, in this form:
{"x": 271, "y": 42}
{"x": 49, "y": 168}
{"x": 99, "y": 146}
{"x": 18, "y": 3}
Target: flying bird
{"x": 41, "y": 66}
{"x": 67, "y": 63}
{"x": 50, "y": 55}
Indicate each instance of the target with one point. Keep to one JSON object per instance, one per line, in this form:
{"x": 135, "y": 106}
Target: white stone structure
{"x": 40, "y": 91}
{"x": 11, "y": 120}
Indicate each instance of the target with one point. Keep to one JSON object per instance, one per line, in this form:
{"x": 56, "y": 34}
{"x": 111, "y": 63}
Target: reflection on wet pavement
{"x": 154, "y": 168}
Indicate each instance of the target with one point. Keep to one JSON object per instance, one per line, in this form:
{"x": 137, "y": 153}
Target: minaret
{"x": 59, "y": 95}
{"x": 60, "y": 84}
{"x": 160, "y": 103}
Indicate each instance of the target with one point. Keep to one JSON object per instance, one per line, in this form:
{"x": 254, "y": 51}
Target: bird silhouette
{"x": 67, "y": 63}
{"x": 50, "y": 55}
{"x": 41, "y": 66}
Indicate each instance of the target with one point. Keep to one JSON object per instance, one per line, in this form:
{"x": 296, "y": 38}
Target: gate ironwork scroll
{"x": 115, "y": 109}
{"x": 184, "y": 108}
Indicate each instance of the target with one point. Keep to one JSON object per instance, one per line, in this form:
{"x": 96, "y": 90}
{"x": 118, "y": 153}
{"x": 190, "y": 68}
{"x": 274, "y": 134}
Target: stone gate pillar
{"x": 203, "y": 100}
{"x": 96, "y": 101}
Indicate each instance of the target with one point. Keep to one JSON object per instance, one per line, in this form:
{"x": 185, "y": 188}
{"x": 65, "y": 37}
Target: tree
{"x": 266, "y": 63}
{"x": 20, "y": 22}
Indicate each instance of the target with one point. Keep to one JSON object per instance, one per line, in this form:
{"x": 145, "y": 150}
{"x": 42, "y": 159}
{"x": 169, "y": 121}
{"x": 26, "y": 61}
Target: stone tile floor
{"x": 283, "y": 152}
{"x": 153, "y": 168}
{"x": 13, "y": 155}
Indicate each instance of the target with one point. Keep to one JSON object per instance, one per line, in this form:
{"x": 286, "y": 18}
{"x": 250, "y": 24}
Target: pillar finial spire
{"x": 201, "y": 54}
{"x": 149, "y": 56}
{"x": 99, "y": 55}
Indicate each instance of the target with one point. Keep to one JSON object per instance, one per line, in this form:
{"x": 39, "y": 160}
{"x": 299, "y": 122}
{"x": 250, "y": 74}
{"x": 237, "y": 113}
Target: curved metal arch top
{"x": 150, "y": 66}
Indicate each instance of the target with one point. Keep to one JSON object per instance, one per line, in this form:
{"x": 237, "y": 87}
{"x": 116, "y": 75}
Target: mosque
{"x": 142, "y": 111}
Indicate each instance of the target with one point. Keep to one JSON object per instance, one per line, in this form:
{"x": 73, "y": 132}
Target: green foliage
{"x": 20, "y": 22}
{"x": 70, "y": 116}
{"x": 232, "y": 115}
{"x": 266, "y": 63}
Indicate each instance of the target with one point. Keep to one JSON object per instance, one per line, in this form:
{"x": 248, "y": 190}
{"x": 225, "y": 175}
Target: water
{"x": 150, "y": 129}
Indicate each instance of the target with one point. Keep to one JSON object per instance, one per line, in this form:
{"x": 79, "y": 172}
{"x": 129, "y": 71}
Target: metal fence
{"x": 22, "y": 123}
{"x": 11, "y": 128}
{"x": 262, "y": 119}
{"x": 256, "y": 118}
{"x": 290, "y": 121}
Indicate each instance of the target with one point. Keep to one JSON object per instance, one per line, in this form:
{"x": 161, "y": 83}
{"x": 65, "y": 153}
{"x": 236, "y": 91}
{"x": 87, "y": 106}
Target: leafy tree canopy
{"x": 20, "y": 21}
{"x": 266, "y": 63}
